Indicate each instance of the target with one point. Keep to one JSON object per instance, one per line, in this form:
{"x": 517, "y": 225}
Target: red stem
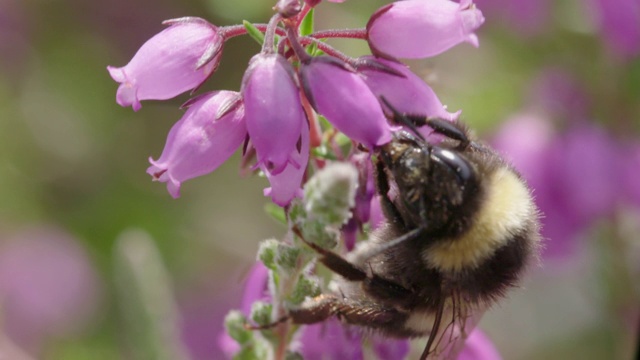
{"x": 342, "y": 33}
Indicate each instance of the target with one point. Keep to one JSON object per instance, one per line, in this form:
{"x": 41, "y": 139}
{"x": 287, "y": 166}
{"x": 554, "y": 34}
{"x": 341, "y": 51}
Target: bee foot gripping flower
{"x": 209, "y": 132}
{"x": 178, "y": 59}
{"x": 419, "y": 29}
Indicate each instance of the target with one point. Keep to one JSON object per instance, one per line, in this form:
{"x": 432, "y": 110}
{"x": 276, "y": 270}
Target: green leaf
{"x": 306, "y": 286}
{"x": 234, "y": 323}
{"x": 261, "y": 313}
{"x": 253, "y": 31}
{"x": 276, "y": 213}
{"x": 306, "y": 26}
{"x": 322, "y": 152}
{"x": 267, "y": 253}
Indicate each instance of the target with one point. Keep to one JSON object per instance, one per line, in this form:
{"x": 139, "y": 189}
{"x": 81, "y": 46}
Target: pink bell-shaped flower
{"x": 178, "y": 59}
{"x": 207, "y": 135}
{"x": 272, "y": 109}
{"x": 345, "y": 100}
{"x": 408, "y": 93}
{"x": 287, "y": 184}
{"x": 419, "y": 28}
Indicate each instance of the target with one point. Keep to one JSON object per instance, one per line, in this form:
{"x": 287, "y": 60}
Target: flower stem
{"x": 270, "y": 33}
{"x": 342, "y": 33}
{"x": 229, "y": 32}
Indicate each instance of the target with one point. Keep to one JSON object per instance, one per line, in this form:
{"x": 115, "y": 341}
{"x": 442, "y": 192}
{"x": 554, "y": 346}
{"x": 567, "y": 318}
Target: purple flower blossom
{"x": 408, "y": 93}
{"x": 390, "y": 349}
{"x": 345, "y": 100}
{"x": 630, "y": 174}
{"x": 590, "y": 171}
{"x": 287, "y": 184}
{"x": 178, "y": 59}
{"x": 47, "y": 286}
{"x": 619, "y": 22}
{"x": 478, "y": 347}
{"x": 330, "y": 340}
{"x": 273, "y": 110}
{"x": 525, "y": 17}
{"x": 210, "y": 131}
{"x": 255, "y": 289}
{"x": 419, "y": 29}
{"x": 576, "y": 175}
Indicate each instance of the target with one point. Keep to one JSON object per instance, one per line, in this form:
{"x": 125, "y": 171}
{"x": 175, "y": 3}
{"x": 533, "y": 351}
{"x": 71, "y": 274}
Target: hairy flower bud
{"x": 345, "y": 100}
{"x": 209, "y": 132}
{"x": 330, "y": 194}
{"x": 178, "y": 59}
{"x": 418, "y": 28}
{"x": 273, "y": 110}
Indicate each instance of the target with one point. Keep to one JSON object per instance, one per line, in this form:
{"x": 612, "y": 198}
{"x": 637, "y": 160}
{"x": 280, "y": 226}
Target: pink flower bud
{"x": 286, "y": 185}
{"x": 178, "y": 59}
{"x": 418, "y": 28}
{"x": 345, "y": 100}
{"x": 273, "y": 110}
{"x": 407, "y": 93}
{"x": 207, "y": 135}
{"x": 288, "y": 8}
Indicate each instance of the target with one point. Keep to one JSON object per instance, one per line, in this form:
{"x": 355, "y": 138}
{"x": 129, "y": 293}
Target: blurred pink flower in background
{"x": 479, "y": 347}
{"x": 619, "y": 24}
{"x": 14, "y": 42}
{"x": 525, "y": 17}
{"x": 577, "y": 169}
{"x": 48, "y": 287}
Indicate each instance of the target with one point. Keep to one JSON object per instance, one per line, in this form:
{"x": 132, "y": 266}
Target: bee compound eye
{"x": 455, "y": 162}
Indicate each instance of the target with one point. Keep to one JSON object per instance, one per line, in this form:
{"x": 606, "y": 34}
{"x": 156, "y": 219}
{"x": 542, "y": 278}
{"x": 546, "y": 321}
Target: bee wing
{"x": 453, "y": 323}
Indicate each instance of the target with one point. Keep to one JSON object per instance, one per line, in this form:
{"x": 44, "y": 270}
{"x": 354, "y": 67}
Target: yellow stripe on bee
{"x": 506, "y": 210}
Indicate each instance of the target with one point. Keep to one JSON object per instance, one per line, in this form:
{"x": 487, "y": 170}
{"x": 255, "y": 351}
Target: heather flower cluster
{"x": 581, "y": 173}
{"x": 290, "y": 87}
{"x": 308, "y": 118}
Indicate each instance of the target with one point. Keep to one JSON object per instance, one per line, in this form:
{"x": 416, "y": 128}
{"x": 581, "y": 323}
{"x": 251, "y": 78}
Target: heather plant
{"x": 308, "y": 118}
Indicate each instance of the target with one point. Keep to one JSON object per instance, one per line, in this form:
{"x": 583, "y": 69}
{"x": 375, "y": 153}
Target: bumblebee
{"x": 461, "y": 227}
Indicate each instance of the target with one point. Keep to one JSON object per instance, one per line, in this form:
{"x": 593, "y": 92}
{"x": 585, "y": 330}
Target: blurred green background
{"x": 72, "y": 166}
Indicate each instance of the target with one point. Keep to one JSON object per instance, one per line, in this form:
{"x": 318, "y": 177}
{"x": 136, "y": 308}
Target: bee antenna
{"x": 388, "y": 245}
{"x": 409, "y": 121}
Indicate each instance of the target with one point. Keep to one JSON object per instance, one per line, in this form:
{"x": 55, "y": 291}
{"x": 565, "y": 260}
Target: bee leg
{"x": 348, "y": 311}
{"x": 387, "y": 291}
{"x": 382, "y": 186}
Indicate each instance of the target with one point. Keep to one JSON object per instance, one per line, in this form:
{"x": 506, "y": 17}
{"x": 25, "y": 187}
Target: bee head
{"x": 433, "y": 182}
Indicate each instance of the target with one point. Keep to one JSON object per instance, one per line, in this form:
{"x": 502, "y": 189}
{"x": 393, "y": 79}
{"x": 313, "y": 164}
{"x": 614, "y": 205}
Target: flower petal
{"x": 286, "y": 185}
{"x": 408, "y": 93}
{"x": 273, "y": 110}
{"x": 345, "y": 100}
{"x": 168, "y": 63}
{"x": 419, "y": 29}
{"x": 199, "y": 143}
